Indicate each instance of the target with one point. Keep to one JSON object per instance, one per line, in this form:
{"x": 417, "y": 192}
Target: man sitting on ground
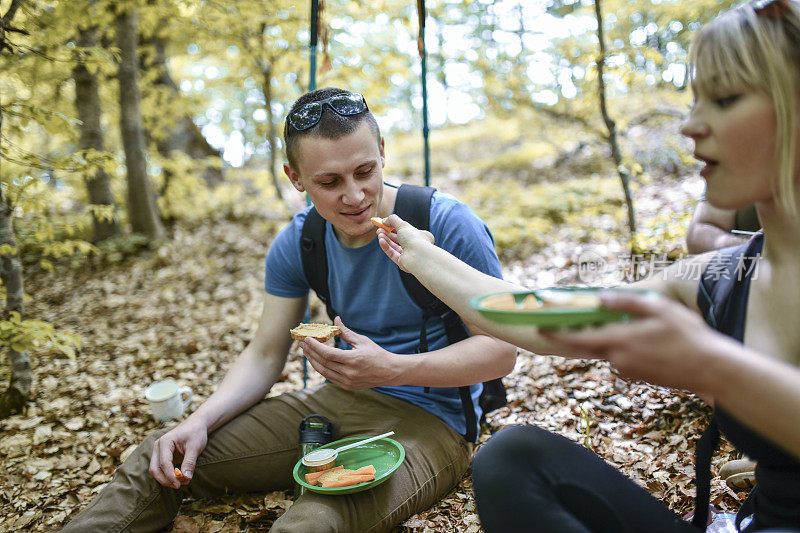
{"x": 237, "y": 441}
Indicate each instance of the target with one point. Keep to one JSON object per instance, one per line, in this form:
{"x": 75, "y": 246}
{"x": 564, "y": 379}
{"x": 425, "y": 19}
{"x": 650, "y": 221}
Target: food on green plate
{"x": 500, "y": 302}
{"x": 548, "y": 300}
{"x": 339, "y": 476}
{"x": 569, "y": 299}
{"x": 313, "y": 477}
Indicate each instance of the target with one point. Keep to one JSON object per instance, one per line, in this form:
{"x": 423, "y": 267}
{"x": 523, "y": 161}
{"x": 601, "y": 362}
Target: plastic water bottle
{"x": 315, "y": 430}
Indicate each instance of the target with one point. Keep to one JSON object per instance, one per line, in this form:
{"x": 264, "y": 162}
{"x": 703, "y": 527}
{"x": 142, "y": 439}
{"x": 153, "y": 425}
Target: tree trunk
{"x": 186, "y": 135}
{"x": 19, "y": 386}
{"x": 611, "y": 125}
{"x": 142, "y": 209}
{"x": 87, "y": 101}
{"x": 266, "y": 88}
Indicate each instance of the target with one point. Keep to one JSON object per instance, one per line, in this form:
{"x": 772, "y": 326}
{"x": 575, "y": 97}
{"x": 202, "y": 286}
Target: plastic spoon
{"x": 323, "y": 456}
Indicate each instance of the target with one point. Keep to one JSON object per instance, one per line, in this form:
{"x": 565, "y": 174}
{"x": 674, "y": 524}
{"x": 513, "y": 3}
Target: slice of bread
{"x": 320, "y": 332}
{"x": 334, "y": 474}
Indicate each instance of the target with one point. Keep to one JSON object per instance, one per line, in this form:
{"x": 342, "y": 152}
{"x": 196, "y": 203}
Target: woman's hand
{"x": 393, "y": 244}
{"x": 186, "y": 440}
{"x": 666, "y": 343}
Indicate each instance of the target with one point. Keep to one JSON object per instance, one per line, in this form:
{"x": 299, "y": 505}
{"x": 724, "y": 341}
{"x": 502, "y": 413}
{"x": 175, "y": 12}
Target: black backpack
{"x": 413, "y": 204}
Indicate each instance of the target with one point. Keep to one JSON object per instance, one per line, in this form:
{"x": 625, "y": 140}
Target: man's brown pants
{"x": 256, "y": 451}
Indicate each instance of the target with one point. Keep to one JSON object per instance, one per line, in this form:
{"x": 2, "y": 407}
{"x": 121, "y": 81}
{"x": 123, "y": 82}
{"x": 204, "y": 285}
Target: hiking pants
{"x": 529, "y": 479}
{"x": 256, "y": 451}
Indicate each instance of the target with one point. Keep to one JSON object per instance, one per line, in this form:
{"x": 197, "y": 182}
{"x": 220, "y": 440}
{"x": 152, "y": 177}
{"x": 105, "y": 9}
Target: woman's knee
{"x": 520, "y": 451}
{"x": 501, "y": 455}
{"x": 520, "y": 443}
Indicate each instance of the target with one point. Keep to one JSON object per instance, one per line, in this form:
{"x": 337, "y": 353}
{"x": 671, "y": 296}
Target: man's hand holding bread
{"x": 365, "y": 366}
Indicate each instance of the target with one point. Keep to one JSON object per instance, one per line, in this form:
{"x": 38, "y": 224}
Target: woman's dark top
{"x": 746, "y": 219}
{"x": 723, "y": 296}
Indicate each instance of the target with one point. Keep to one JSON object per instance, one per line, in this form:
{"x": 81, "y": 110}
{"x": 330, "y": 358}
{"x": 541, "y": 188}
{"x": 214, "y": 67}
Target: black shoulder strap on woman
{"x": 715, "y": 298}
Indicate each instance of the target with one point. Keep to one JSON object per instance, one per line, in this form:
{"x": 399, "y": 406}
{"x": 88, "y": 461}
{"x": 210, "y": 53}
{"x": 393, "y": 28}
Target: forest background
{"x": 141, "y": 183}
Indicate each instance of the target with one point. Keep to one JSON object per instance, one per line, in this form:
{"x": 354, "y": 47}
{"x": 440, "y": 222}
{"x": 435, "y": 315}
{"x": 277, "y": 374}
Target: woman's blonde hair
{"x": 757, "y": 45}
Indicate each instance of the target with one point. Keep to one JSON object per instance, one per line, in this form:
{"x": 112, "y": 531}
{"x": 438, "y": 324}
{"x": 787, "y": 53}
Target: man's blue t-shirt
{"x": 367, "y": 292}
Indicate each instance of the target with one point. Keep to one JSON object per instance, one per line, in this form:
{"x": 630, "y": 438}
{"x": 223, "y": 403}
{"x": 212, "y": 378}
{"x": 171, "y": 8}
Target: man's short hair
{"x": 331, "y": 124}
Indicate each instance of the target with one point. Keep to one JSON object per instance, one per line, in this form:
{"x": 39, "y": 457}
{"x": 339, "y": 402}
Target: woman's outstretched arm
{"x": 455, "y": 283}
{"x": 668, "y": 344}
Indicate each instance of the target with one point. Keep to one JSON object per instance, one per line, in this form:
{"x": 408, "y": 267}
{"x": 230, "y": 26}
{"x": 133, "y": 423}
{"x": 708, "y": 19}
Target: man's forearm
{"x": 475, "y": 359}
{"x": 706, "y": 237}
{"x": 248, "y": 381}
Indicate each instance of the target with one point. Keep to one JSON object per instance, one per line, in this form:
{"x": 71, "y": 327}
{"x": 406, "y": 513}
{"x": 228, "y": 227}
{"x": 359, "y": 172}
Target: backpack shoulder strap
{"x": 715, "y": 287}
{"x": 413, "y": 204}
{"x": 722, "y": 275}
{"x": 315, "y": 260}
{"x": 714, "y": 296}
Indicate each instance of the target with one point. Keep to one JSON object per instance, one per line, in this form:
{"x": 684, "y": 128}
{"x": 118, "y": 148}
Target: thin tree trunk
{"x": 142, "y": 209}
{"x": 266, "y": 88}
{"x": 19, "y": 386}
{"x": 87, "y": 101}
{"x": 611, "y": 125}
{"x": 186, "y": 135}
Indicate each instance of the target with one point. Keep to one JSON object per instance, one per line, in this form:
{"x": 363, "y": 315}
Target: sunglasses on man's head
{"x": 308, "y": 115}
{"x": 770, "y": 8}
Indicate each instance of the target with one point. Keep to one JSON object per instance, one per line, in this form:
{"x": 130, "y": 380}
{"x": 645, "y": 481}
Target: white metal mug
{"x": 166, "y": 399}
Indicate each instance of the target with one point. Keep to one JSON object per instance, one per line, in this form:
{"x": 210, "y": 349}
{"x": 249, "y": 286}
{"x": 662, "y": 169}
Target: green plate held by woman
{"x": 562, "y": 307}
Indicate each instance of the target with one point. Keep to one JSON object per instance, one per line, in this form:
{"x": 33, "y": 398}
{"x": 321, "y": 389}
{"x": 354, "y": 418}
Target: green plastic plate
{"x": 554, "y": 317}
{"x": 386, "y": 455}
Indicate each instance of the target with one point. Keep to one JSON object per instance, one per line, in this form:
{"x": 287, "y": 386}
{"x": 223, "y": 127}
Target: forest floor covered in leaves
{"x": 186, "y": 309}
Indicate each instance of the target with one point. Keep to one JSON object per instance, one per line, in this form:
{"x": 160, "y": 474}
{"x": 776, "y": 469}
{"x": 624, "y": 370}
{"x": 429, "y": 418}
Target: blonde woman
{"x": 732, "y": 338}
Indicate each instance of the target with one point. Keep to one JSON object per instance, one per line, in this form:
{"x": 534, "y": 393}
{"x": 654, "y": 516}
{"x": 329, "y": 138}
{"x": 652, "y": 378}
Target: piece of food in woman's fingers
{"x": 320, "y": 332}
{"x": 378, "y": 221}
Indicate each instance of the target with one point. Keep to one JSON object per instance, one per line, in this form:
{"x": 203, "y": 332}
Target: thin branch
{"x": 39, "y": 52}
{"x": 14, "y": 29}
{"x": 30, "y": 164}
{"x": 12, "y": 10}
{"x": 641, "y": 119}
{"x": 45, "y": 162}
{"x": 5, "y": 20}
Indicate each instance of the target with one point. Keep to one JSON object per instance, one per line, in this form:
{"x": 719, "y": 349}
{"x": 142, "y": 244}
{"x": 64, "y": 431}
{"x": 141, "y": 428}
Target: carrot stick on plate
{"x": 346, "y": 481}
{"x": 368, "y": 470}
